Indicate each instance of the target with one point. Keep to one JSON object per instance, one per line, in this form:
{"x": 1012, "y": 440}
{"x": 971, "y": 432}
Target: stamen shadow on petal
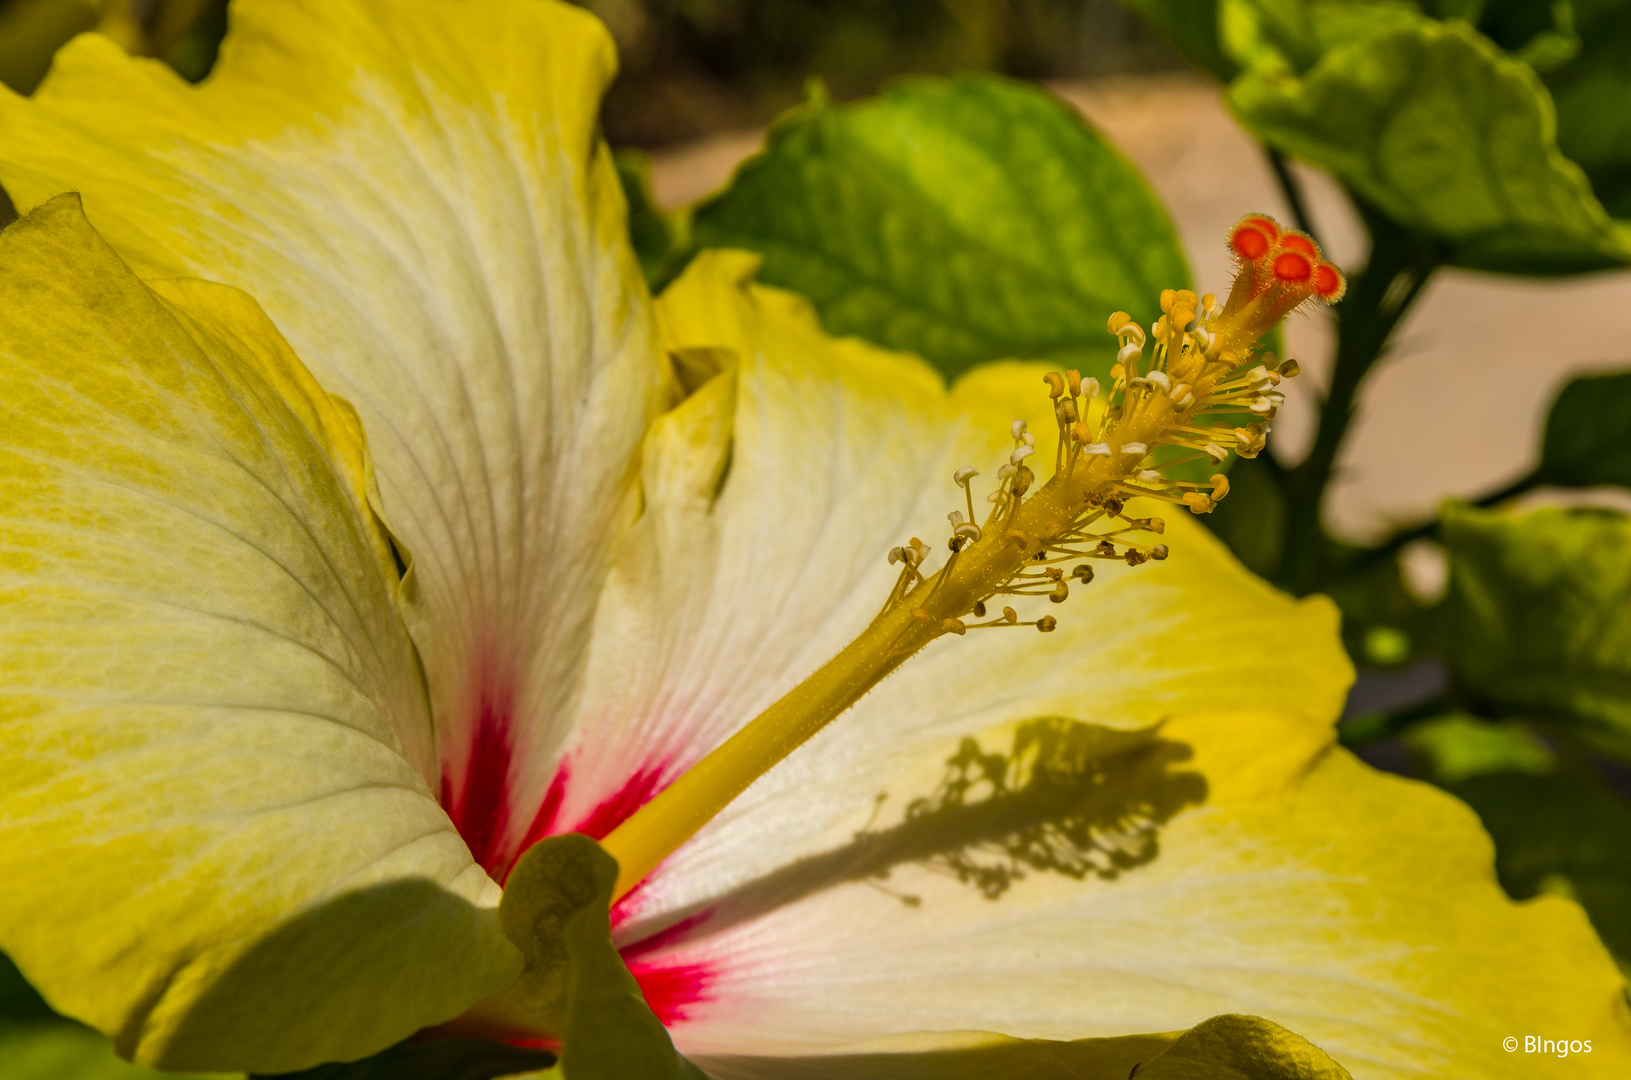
{"x": 1067, "y": 798}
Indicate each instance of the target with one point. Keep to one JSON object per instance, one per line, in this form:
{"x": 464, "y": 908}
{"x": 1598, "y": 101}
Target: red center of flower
{"x": 482, "y": 803}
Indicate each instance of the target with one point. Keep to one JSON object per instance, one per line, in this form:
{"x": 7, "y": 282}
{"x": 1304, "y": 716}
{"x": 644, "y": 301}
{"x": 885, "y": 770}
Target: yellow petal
{"x": 1232, "y": 861}
{"x": 1357, "y": 909}
{"x": 772, "y": 497}
{"x": 218, "y": 838}
{"x": 417, "y": 193}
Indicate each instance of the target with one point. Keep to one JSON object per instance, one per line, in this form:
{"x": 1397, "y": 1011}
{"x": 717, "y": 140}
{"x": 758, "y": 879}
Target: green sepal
{"x": 1445, "y": 134}
{"x": 965, "y": 220}
{"x": 1537, "y": 620}
{"x": 1588, "y": 433}
{"x": 555, "y": 909}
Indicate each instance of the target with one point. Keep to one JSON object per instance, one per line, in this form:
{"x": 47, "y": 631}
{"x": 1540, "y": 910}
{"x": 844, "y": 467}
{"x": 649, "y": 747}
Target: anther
{"x": 1150, "y": 476}
{"x": 922, "y": 616}
{"x": 1137, "y": 448}
{"x": 1060, "y": 593}
{"x": 1128, "y": 353}
{"x": 1160, "y": 378}
{"x": 1073, "y": 379}
{"x": 1053, "y": 573}
{"x": 1215, "y": 452}
{"x": 1155, "y": 525}
{"x": 954, "y": 626}
{"x": 1020, "y": 454}
{"x": 962, "y": 476}
{"x": 1220, "y": 486}
{"x": 1017, "y": 428}
{"x": 1056, "y": 384}
{"x": 1010, "y": 616}
{"x": 1290, "y": 369}
{"x": 979, "y": 609}
{"x": 1097, "y": 448}
{"x": 1047, "y": 624}
{"x": 1023, "y": 480}
{"x": 1197, "y": 503}
{"x": 968, "y": 531}
{"x": 1014, "y": 536}
{"x": 1090, "y": 387}
{"x": 1158, "y": 552}
{"x": 1082, "y": 572}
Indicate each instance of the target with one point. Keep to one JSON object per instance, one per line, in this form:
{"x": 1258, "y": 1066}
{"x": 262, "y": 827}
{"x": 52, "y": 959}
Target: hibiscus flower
{"x": 317, "y": 618}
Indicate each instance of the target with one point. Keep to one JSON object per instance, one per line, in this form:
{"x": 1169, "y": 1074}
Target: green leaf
{"x": 965, "y": 220}
{"x": 1432, "y": 124}
{"x": 1588, "y": 433}
{"x": 659, "y": 238}
{"x": 63, "y": 1050}
{"x": 446, "y": 1059}
{"x": 1593, "y": 96}
{"x": 1222, "y": 1048}
{"x": 1557, "y": 827}
{"x": 1538, "y": 618}
{"x": 1191, "y": 27}
{"x": 555, "y": 910}
{"x": 1293, "y": 35}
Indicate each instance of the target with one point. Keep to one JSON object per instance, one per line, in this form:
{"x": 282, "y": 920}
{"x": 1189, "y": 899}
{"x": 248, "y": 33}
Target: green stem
{"x": 1378, "y": 297}
{"x": 1293, "y": 191}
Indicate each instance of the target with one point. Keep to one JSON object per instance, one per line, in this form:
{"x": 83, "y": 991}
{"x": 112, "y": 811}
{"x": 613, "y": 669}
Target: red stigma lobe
{"x": 1249, "y": 242}
{"x": 1296, "y": 241}
{"x": 1293, "y": 267}
{"x": 1328, "y": 282}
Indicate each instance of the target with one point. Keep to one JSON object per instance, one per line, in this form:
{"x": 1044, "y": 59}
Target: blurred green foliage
{"x": 183, "y": 33}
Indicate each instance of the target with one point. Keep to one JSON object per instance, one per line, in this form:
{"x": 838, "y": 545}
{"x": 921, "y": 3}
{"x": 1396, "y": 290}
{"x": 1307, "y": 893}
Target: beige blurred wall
{"x": 1458, "y": 406}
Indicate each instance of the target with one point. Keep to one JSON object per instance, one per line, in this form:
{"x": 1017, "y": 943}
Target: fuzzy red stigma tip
{"x": 1293, "y": 267}
{"x": 1328, "y": 282}
{"x": 1296, "y": 241}
{"x": 1249, "y": 242}
{"x": 1263, "y": 222}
